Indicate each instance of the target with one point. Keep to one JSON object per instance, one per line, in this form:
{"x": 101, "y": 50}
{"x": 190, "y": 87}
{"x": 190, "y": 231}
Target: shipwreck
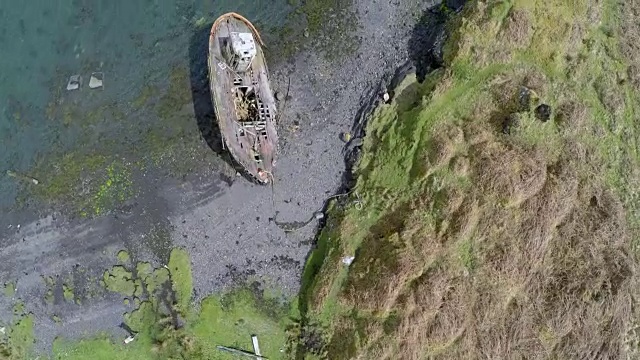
{"x": 244, "y": 105}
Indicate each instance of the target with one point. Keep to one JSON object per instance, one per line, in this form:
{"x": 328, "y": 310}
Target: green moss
{"x": 9, "y": 289}
{"x": 114, "y": 190}
{"x": 18, "y": 343}
{"x": 123, "y": 256}
{"x": 144, "y": 269}
{"x": 88, "y": 184}
{"x": 231, "y": 323}
{"x": 180, "y": 269}
{"x": 119, "y": 279}
{"x": 228, "y": 320}
{"x": 102, "y": 347}
{"x": 67, "y": 292}
{"x": 143, "y": 318}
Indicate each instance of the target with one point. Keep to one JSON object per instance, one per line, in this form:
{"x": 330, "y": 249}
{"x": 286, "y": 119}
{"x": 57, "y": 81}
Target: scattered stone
{"x": 75, "y": 81}
{"x": 306, "y": 33}
{"x": 525, "y": 98}
{"x": 543, "y": 112}
{"x": 318, "y": 215}
{"x": 96, "y": 80}
{"x": 386, "y": 97}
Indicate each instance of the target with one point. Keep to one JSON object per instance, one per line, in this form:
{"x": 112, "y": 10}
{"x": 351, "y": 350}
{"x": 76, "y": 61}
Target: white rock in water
{"x": 75, "y": 81}
{"x": 96, "y": 80}
{"x": 385, "y": 97}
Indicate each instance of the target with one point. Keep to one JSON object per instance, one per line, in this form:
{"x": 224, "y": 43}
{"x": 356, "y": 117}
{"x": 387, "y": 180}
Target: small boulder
{"x": 526, "y": 97}
{"x": 543, "y": 112}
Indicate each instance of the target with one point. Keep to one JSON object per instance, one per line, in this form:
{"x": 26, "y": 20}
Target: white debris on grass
{"x": 347, "y": 260}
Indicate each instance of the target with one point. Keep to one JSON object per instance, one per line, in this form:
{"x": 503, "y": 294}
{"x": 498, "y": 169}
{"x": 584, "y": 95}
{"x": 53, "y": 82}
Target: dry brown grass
{"x": 511, "y": 246}
{"x": 517, "y": 29}
{"x": 552, "y": 275}
{"x": 630, "y": 44}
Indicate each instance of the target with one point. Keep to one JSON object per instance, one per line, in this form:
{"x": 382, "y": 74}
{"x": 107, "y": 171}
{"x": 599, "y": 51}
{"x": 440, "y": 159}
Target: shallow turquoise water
{"x": 135, "y": 44}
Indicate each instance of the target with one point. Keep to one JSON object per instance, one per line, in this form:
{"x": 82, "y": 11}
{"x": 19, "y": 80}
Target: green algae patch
{"x": 114, "y": 189}
{"x": 102, "y": 347}
{"x": 180, "y": 268}
{"x": 168, "y": 328}
{"x": 219, "y": 322}
{"x": 86, "y": 184}
{"x": 231, "y": 319}
{"x": 123, "y": 256}
{"x": 67, "y": 292}
{"x": 17, "y": 341}
{"x": 119, "y": 279}
{"x": 145, "y": 282}
{"x": 9, "y": 289}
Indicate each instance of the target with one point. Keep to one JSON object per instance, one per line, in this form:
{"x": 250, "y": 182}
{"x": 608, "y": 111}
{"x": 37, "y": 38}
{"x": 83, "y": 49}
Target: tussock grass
{"x": 473, "y": 243}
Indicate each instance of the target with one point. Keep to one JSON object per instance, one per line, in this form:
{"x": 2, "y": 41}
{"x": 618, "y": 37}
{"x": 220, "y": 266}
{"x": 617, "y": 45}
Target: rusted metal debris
{"x": 244, "y": 104}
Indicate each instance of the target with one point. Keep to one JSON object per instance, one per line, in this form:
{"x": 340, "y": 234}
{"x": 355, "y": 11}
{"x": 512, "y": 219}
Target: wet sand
{"x": 225, "y": 222}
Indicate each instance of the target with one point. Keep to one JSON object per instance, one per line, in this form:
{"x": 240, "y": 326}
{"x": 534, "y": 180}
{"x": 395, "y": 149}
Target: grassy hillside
{"x": 484, "y": 231}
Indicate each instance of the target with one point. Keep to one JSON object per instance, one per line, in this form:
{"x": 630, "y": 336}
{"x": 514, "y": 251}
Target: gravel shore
{"x": 226, "y": 223}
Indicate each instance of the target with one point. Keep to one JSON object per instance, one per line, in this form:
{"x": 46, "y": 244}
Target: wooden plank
{"x": 256, "y": 346}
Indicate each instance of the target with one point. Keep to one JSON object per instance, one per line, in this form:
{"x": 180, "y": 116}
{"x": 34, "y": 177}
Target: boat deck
{"x": 244, "y": 103}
